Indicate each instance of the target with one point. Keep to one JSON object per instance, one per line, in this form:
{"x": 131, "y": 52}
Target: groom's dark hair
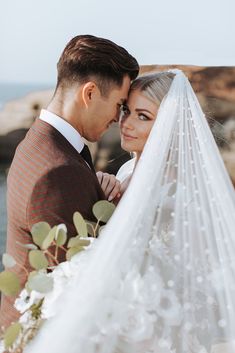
{"x": 88, "y": 57}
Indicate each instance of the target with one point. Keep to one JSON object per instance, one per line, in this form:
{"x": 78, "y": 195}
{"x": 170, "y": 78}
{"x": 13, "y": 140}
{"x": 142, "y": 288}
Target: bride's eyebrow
{"x": 143, "y": 110}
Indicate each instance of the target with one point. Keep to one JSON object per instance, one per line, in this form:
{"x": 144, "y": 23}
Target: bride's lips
{"x": 128, "y": 137}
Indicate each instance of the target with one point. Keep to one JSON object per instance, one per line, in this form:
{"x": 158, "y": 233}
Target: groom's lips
{"x": 110, "y": 123}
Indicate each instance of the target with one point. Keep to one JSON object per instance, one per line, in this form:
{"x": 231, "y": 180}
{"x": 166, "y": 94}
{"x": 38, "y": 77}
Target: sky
{"x": 34, "y": 33}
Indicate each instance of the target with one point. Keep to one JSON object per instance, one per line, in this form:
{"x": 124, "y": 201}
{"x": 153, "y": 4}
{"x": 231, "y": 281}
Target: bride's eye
{"x": 143, "y": 117}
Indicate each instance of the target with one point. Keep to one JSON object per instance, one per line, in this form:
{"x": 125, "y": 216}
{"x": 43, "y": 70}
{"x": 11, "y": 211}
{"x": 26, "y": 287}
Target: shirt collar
{"x": 67, "y": 130}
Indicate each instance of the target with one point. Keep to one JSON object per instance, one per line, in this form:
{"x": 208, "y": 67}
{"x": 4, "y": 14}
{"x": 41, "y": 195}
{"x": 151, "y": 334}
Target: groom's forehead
{"x": 121, "y": 96}
{"x": 125, "y": 87}
{"x": 121, "y": 92}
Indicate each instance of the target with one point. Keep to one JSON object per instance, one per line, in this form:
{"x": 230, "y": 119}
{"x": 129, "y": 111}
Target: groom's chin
{"x": 94, "y": 138}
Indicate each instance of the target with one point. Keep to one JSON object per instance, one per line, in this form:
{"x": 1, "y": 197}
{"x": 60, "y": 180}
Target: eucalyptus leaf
{"x": 78, "y": 241}
{"x": 9, "y": 283}
{"x": 41, "y": 283}
{"x": 83, "y": 242}
{"x": 11, "y": 334}
{"x": 80, "y": 224}
{"x": 39, "y": 232}
{"x": 30, "y": 276}
{"x": 103, "y": 210}
{"x": 72, "y": 251}
{"x": 38, "y": 260}
{"x": 27, "y": 246}
{"x": 49, "y": 238}
{"x": 8, "y": 261}
{"x": 61, "y": 235}
{"x": 73, "y": 241}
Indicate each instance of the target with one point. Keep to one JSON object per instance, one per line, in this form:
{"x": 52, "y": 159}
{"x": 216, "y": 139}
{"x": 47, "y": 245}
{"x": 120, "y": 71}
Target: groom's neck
{"x": 67, "y": 109}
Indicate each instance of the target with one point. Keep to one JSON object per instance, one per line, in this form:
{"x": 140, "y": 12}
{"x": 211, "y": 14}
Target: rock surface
{"x": 16, "y": 118}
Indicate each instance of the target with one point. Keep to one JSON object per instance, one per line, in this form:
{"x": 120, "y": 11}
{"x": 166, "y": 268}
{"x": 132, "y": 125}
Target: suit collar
{"x": 56, "y": 138}
{"x": 61, "y": 125}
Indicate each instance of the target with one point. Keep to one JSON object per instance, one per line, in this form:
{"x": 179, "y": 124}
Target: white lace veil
{"x": 161, "y": 277}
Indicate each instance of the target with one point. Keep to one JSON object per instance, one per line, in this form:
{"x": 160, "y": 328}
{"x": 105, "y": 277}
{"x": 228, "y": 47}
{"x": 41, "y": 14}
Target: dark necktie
{"x": 86, "y": 155}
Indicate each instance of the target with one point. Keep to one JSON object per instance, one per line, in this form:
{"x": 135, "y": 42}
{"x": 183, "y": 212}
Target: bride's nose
{"x": 127, "y": 122}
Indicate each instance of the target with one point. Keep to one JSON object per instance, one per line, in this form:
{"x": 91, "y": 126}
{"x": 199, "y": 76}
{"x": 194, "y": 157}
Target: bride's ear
{"x": 89, "y": 92}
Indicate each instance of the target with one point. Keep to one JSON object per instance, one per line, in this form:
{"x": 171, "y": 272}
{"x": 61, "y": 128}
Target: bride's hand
{"x": 124, "y": 185}
{"x": 110, "y": 185}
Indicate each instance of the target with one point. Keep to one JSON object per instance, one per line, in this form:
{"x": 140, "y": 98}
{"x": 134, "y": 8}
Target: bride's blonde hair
{"x": 154, "y": 85}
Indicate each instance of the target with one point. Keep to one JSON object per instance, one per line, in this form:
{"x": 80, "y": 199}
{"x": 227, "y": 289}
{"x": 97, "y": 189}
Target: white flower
{"x": 139, "y": 325}
{"x": 53, "y": 299}
{"x": 63, "y": 275}
{"x": 26, "y": 319}
{"x": 132, "y": 286}
{"x": 26, "y": 300}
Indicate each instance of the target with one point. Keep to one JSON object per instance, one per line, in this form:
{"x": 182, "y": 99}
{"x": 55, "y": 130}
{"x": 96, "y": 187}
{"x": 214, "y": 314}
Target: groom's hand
{"x": 110, "y": 185}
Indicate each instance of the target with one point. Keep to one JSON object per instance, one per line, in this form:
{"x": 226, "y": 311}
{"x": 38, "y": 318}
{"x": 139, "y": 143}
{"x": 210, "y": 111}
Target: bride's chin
{"x": 125, "y": 147}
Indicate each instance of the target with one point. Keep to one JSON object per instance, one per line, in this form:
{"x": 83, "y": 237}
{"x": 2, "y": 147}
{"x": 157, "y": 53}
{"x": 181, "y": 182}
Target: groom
{"x": 52, "y": 175}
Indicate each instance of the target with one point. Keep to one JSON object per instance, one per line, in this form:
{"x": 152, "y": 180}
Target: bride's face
{"x": 136, "y": 122}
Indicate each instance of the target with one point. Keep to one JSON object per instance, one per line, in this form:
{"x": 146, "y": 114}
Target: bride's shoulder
{"x": 126, "y": 170}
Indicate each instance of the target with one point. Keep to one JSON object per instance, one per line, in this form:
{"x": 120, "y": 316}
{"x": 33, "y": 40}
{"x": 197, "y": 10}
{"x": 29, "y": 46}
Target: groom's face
{"x": 105, "y": 110}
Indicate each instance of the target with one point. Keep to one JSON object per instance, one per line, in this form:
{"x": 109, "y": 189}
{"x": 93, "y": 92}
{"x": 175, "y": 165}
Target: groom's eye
{"x": 124, "y": 111}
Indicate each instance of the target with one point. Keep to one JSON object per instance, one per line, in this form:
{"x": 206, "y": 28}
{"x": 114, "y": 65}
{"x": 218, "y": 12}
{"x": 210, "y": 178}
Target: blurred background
{"x": 195, "y": 36}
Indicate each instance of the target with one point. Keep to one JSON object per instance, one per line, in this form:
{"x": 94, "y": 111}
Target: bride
{"x": 137, "y": 118}
{"x": 161, "y": 277}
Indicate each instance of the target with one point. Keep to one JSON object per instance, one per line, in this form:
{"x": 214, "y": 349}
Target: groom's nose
{"x": 117, "y": 117}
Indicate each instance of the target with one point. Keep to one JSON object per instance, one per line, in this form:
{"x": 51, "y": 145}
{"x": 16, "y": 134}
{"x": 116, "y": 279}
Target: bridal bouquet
{"x": 38, "y": 300}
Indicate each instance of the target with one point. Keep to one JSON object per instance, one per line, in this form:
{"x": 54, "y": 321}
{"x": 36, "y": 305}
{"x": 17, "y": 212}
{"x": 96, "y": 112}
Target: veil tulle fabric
{"x": 161, "y": 277}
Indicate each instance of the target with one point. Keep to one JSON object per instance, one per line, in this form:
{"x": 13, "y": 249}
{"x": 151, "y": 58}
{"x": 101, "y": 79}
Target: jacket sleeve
{"x": 61, "y": 192}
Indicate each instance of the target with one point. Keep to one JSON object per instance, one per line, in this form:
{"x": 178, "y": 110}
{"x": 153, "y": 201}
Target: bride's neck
{"x": 137, "y": 157}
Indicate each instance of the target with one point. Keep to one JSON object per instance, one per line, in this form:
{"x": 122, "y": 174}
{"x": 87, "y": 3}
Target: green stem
{"x": 96, "y": 227}
{"x": 63, "y": 248}
{"x": 51, "y": 256}
{"x": 56, "y": 251}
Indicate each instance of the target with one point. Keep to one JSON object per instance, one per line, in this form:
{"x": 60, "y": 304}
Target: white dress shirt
{"x": 61, "y": 125}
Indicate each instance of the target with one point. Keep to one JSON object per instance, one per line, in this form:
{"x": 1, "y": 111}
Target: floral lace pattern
{"x": 160, "y": 316}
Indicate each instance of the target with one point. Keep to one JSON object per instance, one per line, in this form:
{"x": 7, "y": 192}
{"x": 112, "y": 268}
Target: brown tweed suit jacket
{"x": 48, "y": 181}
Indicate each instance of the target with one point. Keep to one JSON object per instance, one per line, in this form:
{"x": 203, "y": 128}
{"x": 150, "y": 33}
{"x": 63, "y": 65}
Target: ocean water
{"x": 8, "y": 92}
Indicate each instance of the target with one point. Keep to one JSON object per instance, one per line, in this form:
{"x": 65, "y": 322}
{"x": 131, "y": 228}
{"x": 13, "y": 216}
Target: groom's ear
{"x": 89, "y": 92}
